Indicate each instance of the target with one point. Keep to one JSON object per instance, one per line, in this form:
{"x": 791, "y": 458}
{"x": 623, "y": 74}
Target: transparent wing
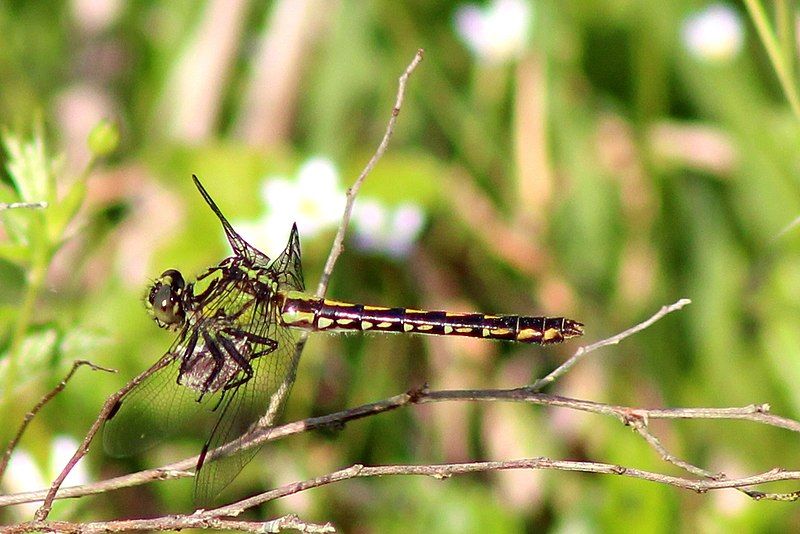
{"x": 157, "y": 408}
{"x": 287, "y": 267}
{"x": 160, "y": 407}
{"x": 240, "y": 247}
{"x": 260, "y": 398}
{"x": 230, "y": 326}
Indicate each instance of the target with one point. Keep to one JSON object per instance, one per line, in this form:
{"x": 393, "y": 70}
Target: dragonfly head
{"x": 165, "y": 302}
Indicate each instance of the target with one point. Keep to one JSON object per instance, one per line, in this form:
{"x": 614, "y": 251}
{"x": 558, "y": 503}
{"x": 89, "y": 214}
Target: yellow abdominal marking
{"x": 344, "y": 322}
{"x": 501, "y": 332}
{"x": 375, "y": 308}
{"x": 485, "y": 332}
{"x": 297, "y": 318}
{"x": 528, "y": 333}
{"x": 551, "y": 333}
{"x": 448, "y": 329}
{"x": 384, "y": 324}
{"x": 463, "y": 330}
{"x": 366, "y": 325}
{"x": 336, "y": 303}
{"x": 324, "y": 322}
{"x": 425, "y": 327}
{"x": 407, "y": 327}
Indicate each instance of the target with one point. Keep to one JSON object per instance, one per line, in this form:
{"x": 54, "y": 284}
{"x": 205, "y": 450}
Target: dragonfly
{"x": 232, "y": 363}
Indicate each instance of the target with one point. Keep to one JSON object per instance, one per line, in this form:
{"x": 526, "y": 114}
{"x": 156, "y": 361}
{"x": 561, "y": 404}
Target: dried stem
{"x": 352, "y": 192}
{"x": 175, "y": 523}
{"x": 47, "y": 504}
{"x": 442, "y": 471}
{"x": 613, "y": 340}
{"x": 44, "y": 400}
{"x": 338, "y": 242}
{"x": 22, "y": 205}
{"x": 757, "y": 413}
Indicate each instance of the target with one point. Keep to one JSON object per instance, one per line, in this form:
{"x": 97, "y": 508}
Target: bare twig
{"x": 641, "y": 427}
{"x": 175, "y": 523}
{"x": 338, "y": 241}
{"x": 22, "y": 205}
{"x": 108, "y": 406}
{"x": 44, "y": 400}
{"x": 613, "y": 340}
{"x": 211, "y": 519}
{"x": 352, "y": 192}
{"x": 442, "y": 471}
{"x": 753, "y": 413}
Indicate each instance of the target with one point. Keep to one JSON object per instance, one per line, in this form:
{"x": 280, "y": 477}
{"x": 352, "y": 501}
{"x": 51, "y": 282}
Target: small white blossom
{"x": 314, "y": 200}
{"x": 714, "y": 34}
{"x": 389, "y": 231}
{"x": 24, "y": 474}
{"x": 95, "y": 16}
{"x": 497, "y": 33}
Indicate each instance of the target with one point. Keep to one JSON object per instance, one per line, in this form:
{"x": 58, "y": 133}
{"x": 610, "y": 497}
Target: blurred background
{"x": 595, "y": 160}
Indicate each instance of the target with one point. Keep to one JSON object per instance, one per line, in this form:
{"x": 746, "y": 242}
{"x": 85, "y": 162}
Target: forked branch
{"x": 638, "y": 418}
{"x": 39, "y": 405}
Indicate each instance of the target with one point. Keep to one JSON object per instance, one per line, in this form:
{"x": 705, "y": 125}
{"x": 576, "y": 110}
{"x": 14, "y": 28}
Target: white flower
{"x": 95, "y": 16}
{"x": 385, "y": 230}
{"x": 497, "y": 33}
{"x": 714, "y": 34}
{"x": 24, "y": 474}
{"x": 314, "y": 200}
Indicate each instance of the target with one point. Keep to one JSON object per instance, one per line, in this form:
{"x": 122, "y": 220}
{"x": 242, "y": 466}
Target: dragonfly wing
{"x": 287, "y": 266}
{"x": 261, "y": 398}
{"x": 240, "y": 247}
{"x": 155, "y": 409}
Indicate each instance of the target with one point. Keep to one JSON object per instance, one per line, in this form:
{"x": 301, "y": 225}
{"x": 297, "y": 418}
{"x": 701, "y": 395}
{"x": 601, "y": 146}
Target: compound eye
{"x": 164, "y": 299}
{"x": 174, "y": 279}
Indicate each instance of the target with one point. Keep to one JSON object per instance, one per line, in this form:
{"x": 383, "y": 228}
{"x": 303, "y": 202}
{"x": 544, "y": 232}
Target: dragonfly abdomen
{"x": 304, "y": 311}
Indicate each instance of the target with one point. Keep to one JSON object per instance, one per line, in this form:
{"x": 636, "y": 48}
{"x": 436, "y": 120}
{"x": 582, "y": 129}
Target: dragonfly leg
{"x": 187, "y": 353}
{"x": 253, "y": 338}
{"x": 239, "y": 359}
{"x": 219, "y": 362}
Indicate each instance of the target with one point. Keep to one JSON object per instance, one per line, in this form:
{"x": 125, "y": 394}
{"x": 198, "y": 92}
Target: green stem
{"x": 36, "y": 278}
{"x": 784, "y": 27}
{"x": 776, "y": 55}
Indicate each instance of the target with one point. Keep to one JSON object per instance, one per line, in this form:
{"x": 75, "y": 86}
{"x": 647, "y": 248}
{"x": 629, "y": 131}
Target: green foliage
{"x": 606, "y": 171}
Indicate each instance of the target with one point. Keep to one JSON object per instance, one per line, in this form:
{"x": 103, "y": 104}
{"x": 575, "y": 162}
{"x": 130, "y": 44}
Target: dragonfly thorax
{"x": 165, "y": 302}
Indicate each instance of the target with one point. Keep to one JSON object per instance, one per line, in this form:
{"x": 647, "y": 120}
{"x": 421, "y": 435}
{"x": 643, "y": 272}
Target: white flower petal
{"x": 64, "y": 448}
{"x": 384, "y": 230}
{"x": 369, "y": 217}
{"x": 714, "y": 34}
{"x": 23, "y": 475}
{"x": 314, "y": 200}
{"x": 318, "y": 176}
{"x": 406, "y": 225}
{"x": 498, "y": 33}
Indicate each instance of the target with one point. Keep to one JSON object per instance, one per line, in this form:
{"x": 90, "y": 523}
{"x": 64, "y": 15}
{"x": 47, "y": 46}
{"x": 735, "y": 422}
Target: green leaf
{"x": 62, "y": 212}
{"x": 30, "y": 167}
{"x": 17, "y": 253}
